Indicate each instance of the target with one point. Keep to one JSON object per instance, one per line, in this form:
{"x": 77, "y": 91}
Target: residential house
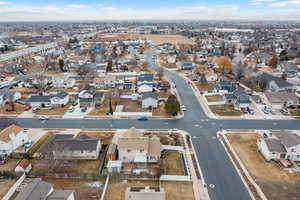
{"x": 88, "y": 98}
{"x": 239, "y": 99}
{"x": 134, "y": 146}
{"x": 11, "y": 138}
{"x": 149, "y": 100}
{"x": 145, "y": 193}
{"x": 7, "y": 95}
{"x": 185, "y": 65}
{"x": 145, "y": 83}
{"x": 274, "y": 83}
{"x": 38, "y": 190}
{"x": 280, "y": 145}
{"x": 59, "y": 99}
{"x": 111, "y": 153}
{"x": 114, "y": 166}
{"x": 278, "y": 100}
{"x": 65, "y": 146}
{"x": 23, "y": 166}
{"x": 226, "y": 86}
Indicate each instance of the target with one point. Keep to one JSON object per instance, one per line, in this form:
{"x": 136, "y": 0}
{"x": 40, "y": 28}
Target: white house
{"x": 145, "y": 83}
{"x": 11, "y": 138}
{"x": 114, "y": 166}
{"x": 23, "y": 166}
{"x": 149, "y": 100}
{"x": 280, "y": 145}
{"x": 7, "y": 95}
{"x": 59, "y": 99}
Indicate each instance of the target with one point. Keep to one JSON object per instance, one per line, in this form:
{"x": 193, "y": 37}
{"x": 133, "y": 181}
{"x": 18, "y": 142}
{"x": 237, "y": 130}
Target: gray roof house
{"x": 275, "y": 83}
{"x": 59, "y": 99}
{"x": 41, "y": 190}
{"x": 226, "y": 85}
{"x": 149, "y": 100}
{"x": 281, "y": 99}
{"x": 238, "y": 98}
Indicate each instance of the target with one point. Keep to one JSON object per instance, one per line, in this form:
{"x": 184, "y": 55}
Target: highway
{"x": 215, "y": 164}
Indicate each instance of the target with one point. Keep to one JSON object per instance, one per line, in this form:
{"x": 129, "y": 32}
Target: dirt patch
{"x": 205, "y": 87}
{"x": 101, "y": 111}
{"x": 173, "y": 39}
{"x": 225, "y": 110}
{"x": 274, "y": 182}
{"x": 84, "y": 188}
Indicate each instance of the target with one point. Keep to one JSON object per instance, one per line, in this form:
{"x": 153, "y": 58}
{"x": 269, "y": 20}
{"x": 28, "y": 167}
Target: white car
{"x": 43, "y": 117}
{"x": 183, "y": 108}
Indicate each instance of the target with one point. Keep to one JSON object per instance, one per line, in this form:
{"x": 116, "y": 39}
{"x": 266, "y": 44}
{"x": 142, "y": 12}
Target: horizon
{"x": 176, "y": 10}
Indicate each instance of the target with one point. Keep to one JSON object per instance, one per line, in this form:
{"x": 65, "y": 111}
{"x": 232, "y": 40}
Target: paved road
{"x": 215, "y": 164}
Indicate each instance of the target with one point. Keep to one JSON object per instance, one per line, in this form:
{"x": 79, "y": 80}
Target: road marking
{"x": 196, "y": 125}
{"x": 274, "y": 123}
{"x": 194, "y": 137}
{"x": 213, "y": 137}
{"x": 211, "y": 185}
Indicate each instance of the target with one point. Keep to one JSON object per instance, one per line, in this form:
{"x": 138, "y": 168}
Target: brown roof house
{"x": 134, "y": 146}
{"x": 23, "y": 166}
{"x": 11, "y": 138}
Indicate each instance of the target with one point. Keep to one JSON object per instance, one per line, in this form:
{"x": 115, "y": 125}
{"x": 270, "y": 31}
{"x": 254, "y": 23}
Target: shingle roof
{"x": 39, "y": 98}
{"x": 275, "y": 145}
{"x": 146, "y": 77}
{"x": 12, "y": 129}
{"x": 35, "y": 190}
{"x": 147, "y": 95}
{"x": 281, "y": 83}
{"x": 288, "y": 139}
{"x": 24, "y": 163}
{"x": 60, "y": 195}
{"x": 61, "y": 94}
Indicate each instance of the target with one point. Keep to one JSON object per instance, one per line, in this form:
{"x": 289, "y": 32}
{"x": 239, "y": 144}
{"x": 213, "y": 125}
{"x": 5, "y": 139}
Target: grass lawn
{"x": 225, "y": 110}
{"x": 10, "y": 165}
{"x": 173, "y": 163}
{"x": 18, "y": 109}
{"x": 54, "y": 111}
{"x": 174, "y": 190}
{"x": 84, "y": 188}
{"x": 274, "y": 182}
{"x": 214, "y": 98}
{"x": 105, "y": 137}
{"x": 35, "y": 147}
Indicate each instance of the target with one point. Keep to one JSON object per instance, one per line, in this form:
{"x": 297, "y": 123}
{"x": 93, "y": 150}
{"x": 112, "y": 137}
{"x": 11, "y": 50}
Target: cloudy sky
{"x": 49, "y": 10}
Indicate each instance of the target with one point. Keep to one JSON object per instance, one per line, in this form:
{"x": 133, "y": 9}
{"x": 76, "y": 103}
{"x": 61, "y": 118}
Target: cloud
{"x": 100, "y": 5}
{"x": 109, "y": 8}
{"x": 284, "y": 3}
{"x": 258, "y": 2}
{"x": 4, "y": 3}
{"x": 77, "y": 6}
{"x": 191, "y": 7}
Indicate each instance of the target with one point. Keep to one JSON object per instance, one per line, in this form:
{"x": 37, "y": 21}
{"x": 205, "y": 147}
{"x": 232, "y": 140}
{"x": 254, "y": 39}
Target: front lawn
{"x": 225, "y": 110}
{"x": 5, "y": 110}
{"x": 54, "y": 111}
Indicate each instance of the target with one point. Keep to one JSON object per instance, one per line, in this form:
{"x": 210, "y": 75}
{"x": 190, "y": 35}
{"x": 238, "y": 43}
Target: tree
{"x": 263, "y": 83}
{"x": 283, "y": 55}
{"x": 224, "y": 64}
{"x": 110, "y": 107}
{"x": 61, "y": 64}
{"x": 203, "y": 79}
{"x": 109, "y": 66}
{"x": 240, "y": 71}
{"x": 172, "y": 105}
{"x": 274, "y": 62}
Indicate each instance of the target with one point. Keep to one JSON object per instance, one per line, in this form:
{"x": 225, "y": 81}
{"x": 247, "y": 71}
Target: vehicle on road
{"x": 183, "y": 108}
{"x": 43, "y": 117}
{"x": 143, "y": 118}
{"x": 27, "y": 108}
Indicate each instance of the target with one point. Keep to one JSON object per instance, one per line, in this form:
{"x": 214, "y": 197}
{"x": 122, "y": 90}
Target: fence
{"x": 12, "y": 190}
{"x": 174, "y": 178}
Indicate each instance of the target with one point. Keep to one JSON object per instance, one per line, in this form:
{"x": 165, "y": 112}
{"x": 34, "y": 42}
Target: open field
{"x": 173, "y": 163}
{"x": 54, "y": 111}
{"x": 84, "y": 188}
{"x": 173, "y": 39}
{"x": 174, "y": 190}
{"x": 214, "y": 98}
{"x": 225, "y": 110}
{"x": 274, "y": 182}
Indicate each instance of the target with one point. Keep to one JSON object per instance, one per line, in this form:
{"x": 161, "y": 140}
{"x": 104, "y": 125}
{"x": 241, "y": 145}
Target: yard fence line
{"x": 105, "y": 188}
{"x": 66, "y": 175}
{"x": 174, "y": 178}
{"x": 12, "y": 190}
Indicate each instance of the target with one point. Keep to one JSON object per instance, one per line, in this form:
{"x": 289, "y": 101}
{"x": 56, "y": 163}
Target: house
{"x": 185, "y": 65}
{"x": 59, "y": 99}
{"x": 11, "y": 138}
{"x": 107, "y": 81}
{"x": 145, "y": 193}
{"x": 111, "y": 153}
{"x": 149, "y": 100}
{"x": 226, "y": 86}
{"x": 145, "y": 83}
{"x": 65, "y": 146}
{"x": 134, "y": 146}
{"x": 278, "y": 100}
{"x": 23, "y": 166}
{"x": 99, "y": 98}
{"x": 239, "y": 99}
{"x": 274, "y": 83}
{"x": 88, "y": 98}
{"x": 280, "y": 145}
{"x": 38, "y": 189}
{"x": 7, "y": 95}
{"x": 114, "y": 166}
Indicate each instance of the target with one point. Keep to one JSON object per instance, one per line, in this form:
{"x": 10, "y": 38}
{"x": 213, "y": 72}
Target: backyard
{"x": 225, "y": 110}
{"x": 214, "y": 98}
{"x": 274, "y": 182}
{"x": 173, "y": 163}
{"x": 105, "y": 136}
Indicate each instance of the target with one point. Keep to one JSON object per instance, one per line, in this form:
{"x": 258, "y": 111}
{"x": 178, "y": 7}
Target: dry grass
{"x": 81, "y": 187}
{"x": 168, "y": 65}
{"x": 10, "y": 165}
{"x": 205, "y": 87}
{"x": 5, "y": 185}
{"x": 173, "y": 39}
{"x": 35, "y": 147}
{"x": 225, "y": 110}
{"x": 173, "y": 163}
{"x": 174, "y": 190}
{"x": 101, "y": 111}
{"x": 18, "y": 109}
{"x": 54, "y": 111}
{"x": 214, "y": 98}
{"x": 105, "y": 137}
{"x": 274, "y": 182}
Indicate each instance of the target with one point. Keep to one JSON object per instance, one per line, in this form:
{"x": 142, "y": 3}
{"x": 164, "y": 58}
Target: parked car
{"x": 143, "y": 118}
{"x": 71, "y": 109}
{"x": 28, "y": 144}
{"x": 34, "y": 110}
{"x": 27, "y": 108}
{"x": 284, "y": 111}
{"x": 43, "y": 117}
{"x": 183, "y": 108}
{"x": 83, "y": 109}
{"x": 250, "y": 111}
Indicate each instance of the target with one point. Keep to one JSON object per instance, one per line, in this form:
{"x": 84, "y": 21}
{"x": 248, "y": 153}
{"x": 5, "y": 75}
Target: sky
{"x": 65, "y": 10}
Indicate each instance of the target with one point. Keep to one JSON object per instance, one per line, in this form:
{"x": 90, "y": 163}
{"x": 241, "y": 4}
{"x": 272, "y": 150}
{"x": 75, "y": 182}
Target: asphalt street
{"x": 215, "y": 164}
